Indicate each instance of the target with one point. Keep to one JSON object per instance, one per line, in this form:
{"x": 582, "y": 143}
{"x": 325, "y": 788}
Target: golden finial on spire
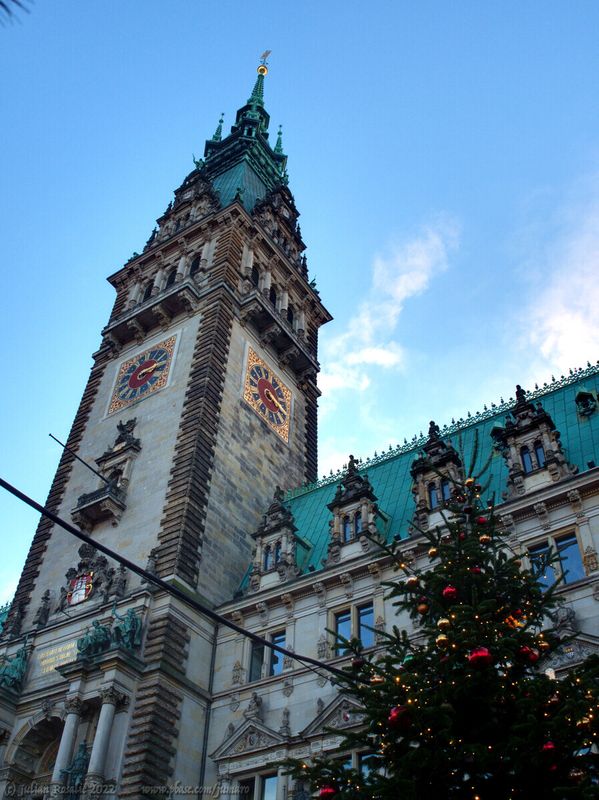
{"x": 263, "y": 69}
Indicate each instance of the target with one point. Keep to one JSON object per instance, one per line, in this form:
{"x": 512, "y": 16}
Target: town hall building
{"x": 200, "y": 420}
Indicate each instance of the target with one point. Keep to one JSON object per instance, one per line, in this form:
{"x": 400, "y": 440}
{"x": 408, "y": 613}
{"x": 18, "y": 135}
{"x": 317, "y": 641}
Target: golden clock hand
{"x": 143, "y": 372}
{"x": 270, "y": 396}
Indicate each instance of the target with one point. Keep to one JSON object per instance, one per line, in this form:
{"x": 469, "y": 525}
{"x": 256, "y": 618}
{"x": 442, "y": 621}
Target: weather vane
{"x": 263, "y": 69}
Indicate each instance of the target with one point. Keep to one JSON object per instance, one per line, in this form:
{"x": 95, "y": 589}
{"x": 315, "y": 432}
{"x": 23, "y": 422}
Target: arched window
{"x": 540, "y": 454}
{"x": 255, "y": 277}
{"x": 147, "y": 291}
{"x": 290, "y": 314}
{"x": 433, "y": 497}
{"x": 526, "y": 459}
{"x": 277, "y": 552}
{"x": 346, "y": 529}
{"x": 272, "y": 296}
{"x": 445, "y": 490}
{"x": 172, "y": 277}
{"x": 195, "y": 266}
{"x": 267, "y": 560}
{"x": 357, "y": 523}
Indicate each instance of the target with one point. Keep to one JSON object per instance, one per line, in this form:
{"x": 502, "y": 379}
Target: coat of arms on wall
{"x": 80, "y": 588}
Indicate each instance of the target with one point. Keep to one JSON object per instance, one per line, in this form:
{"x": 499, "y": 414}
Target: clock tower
{"x": 202, "y": 399}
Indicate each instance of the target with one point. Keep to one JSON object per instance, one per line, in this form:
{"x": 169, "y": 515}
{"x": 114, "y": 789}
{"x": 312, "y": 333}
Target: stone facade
{"x": 110, "y": 682}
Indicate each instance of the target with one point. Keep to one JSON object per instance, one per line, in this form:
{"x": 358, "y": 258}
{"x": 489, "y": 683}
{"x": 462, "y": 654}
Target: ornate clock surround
{"x": 267, "y": 394}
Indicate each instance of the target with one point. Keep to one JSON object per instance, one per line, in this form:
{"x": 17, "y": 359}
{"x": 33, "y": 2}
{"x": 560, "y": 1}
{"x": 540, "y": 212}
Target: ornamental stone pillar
{"x": 97, "y": 759}
{"x": 73, "y": 707}
{"x": 281, "y": 784}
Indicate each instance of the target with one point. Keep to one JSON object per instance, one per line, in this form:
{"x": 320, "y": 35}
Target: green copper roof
{"x": 389, "y": 474}
{"x": 244, "y": 160}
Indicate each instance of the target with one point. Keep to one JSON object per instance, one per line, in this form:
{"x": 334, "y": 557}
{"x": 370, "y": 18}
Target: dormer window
{"x": 433, "y": 496}
{"x": 172, "y": 277}
{"x": 445, "y": 490}
{"x": 268, "y": 559}
{"x": 540, "y": 454}
{"x": 357, "y": 523}
{"x": 526, "y": 459}
{"x": 346, "y": 529}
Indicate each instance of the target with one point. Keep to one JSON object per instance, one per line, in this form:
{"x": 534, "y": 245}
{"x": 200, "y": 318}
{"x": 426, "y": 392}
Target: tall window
{"x": 343, "y": 629}
{"x": 357, "y": 523}
{"x": 290, "y": 314}
{"x": 346, "y": 529}
{"x": 255, "y": 276}
{"x": 365, "y": 615}
{"x": 272, "y": 296}
{"x": 433, "y": 497}
{"x": 268, "y": 787}
{"x": 261, "y": 656}
{"x": 276, "y": 659}
{"x": 256, "y": 661}
{"x": 147, "y": 291}
{"x": 540, "y": 454}
{"x": 267, "y": 559}
{"x": 568, "y": 565}
{"x": 195, "y": 266}
{"x": 445, "y": 490}
{"x": 526, "y": 459}
{"x": 172, "y": 276}
{"x": 277, "y": 552}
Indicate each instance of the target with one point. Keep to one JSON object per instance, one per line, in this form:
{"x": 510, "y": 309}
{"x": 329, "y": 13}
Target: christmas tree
{"x": 462, "y": 706}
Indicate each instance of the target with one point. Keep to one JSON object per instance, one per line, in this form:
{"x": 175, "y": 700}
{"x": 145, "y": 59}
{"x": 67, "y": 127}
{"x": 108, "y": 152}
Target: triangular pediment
{"x": 249, "y": 737}
{"x": 572, "y": 653}
{"x": 342, "y": 713}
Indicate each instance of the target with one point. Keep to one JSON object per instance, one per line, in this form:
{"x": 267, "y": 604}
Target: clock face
{"x": 266, "y": 393}
{"x": 142, "y": 375}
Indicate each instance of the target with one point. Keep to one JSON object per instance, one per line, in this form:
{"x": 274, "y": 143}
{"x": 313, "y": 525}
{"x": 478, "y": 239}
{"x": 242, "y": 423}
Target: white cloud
{"x": 367, "y": 341}
{"x": 561, "y": 324}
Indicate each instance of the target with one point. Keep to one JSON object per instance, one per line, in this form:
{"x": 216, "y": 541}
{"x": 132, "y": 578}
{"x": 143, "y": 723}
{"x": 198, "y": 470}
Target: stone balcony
{"x": 158, "y": 311}
{"x": 106, "y": 503}
{"x": 273, "y": 329}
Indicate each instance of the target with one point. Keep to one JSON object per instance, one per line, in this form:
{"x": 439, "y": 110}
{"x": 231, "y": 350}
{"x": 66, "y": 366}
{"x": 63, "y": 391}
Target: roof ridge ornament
{"x": 257, "y": 96}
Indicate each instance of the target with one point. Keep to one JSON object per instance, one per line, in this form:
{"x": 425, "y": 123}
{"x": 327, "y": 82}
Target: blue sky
{"x": 444, "y": 157}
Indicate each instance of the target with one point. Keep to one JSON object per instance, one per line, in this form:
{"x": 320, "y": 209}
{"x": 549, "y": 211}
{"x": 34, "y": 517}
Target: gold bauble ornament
{"x": 484, "y": 538}
{"x": 442, "y": 641}
{"x": 469, "y": 482}
{"x": 422, "y": 608}
{"x": 443, "y": 624}
{"x": 543, "y": 644}
{"x": 412, "y": 582}
{"x": 433, "y": 552}
{"x": 576, "y": 774}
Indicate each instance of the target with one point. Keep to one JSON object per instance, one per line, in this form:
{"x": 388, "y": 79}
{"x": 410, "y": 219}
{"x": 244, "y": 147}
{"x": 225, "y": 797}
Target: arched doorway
{"x": 32, "y": 754}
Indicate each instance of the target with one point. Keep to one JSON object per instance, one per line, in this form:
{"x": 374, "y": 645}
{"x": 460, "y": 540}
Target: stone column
{"x": 182, "y": 267}
{"x": 158, "y": 280}
{"x": 95, "y": 770}
{"x": 266, "y": 278}
{"x": 281, "y": 784}
{"x": 284, "y": 301}
{"x": 67, "y": 742}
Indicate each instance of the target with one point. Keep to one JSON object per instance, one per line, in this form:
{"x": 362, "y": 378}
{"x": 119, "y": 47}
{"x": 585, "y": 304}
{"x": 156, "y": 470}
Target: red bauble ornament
{"x": 461, "y": 536}
{"x": 399, "y": 718}
{"x": 481, "y": 520}
{"x": 548, "y": 747}
{"x": 529, "y": 654}
{"x": 467, "y": 509}
{"x": 450, "y": 593}
{"x": 358, "y": 663}
{"x": 327, "y": 791}
{"x": 475, "y": 570}
{"x": 480, "y": 657}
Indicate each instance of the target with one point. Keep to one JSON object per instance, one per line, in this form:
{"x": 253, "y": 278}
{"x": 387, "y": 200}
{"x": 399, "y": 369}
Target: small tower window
{"x": 172, "y": 277}
{"x": 433, "y": 497}
{"x": 346, "y": 529}
{"x": 267, "y": 561}
{"x": 272, "y": 296}
{"x": 277, "y": 552}
{"x": 195, "y": 266}
{"x": 540, "y": 454}
{"x": 290, "y": 314}
{"x": 358, "y": 523}
{"x": 526, "y": 459}
{"x": 147, "y": 291}
{"x": 445, "y": 490}
{"x": 255, "y": 277}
